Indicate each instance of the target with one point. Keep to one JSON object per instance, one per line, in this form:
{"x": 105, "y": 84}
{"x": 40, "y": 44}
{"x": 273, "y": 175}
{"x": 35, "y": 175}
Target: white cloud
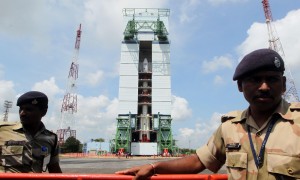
{"x": 180, "y": 109}
{"x": 94, "y": 104}
{"x": 198, "y": 136}
{"x": 288, "y": 29}
{"x": 257, "y": 38}
{"x": 95, "y": 117}
{"x": 7, "y": 91}
{"x": 217, "y": 63}
{"x": 187, "y": 11}
{"x": 20, "y": 18}
{"x": 218, "y": 80}
{"x": 95, "y": 78}
{"x": 48, "y": 87}
{"x": 186, "y": 132}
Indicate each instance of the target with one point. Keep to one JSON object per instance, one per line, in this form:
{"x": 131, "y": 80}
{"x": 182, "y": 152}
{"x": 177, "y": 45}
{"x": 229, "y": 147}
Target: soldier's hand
{"x": 139, "y": 172}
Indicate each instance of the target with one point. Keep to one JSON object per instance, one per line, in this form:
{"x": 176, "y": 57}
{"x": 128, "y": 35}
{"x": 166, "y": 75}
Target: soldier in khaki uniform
{"x": 261, "y": 142}
{"x": 27, "y": 146}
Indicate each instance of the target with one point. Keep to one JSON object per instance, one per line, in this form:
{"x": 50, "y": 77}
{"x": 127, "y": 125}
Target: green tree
{"x": 99, "y": 140}
{"x": 71, "y": 145}
{"x": 187, "y": 151}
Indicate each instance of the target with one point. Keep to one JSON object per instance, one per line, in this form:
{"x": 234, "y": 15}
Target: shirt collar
{"x": 18, "y": 127}
{"x": 283, "y": 109}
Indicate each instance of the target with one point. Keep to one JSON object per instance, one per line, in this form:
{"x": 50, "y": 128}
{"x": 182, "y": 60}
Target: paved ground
{"x": 107, "y": 165}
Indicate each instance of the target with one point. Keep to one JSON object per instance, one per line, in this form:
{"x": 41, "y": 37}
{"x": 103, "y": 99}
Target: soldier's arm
{"x": 187, "y": 165}
{"x": 54, "y": 168}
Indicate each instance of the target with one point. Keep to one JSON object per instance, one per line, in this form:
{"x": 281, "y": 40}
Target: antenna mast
{"x": 69, "y": 104}
{"x": 275, "y": 44}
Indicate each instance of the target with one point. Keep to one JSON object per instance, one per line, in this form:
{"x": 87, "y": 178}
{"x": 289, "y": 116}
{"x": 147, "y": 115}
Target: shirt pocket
{"x": 284, "y": 165}
{"x": 11, "y": 155}
{"x": 236, "y": 163}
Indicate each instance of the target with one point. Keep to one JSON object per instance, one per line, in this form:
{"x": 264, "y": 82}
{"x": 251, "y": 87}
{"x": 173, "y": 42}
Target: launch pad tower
{"x": 144, "y": 115}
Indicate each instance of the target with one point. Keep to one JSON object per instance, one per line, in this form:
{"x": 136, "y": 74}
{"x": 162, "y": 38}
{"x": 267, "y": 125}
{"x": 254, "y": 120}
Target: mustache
{"x": 263, "y": 95}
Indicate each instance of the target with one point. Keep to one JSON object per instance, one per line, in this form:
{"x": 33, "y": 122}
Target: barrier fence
{"x": 93, "y": 155}
{"x": 31, "y": 176}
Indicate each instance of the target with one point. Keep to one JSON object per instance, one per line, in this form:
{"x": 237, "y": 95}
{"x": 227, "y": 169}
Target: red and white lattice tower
{"x": 275, "y": 44}
{"x": 69, "y": 104}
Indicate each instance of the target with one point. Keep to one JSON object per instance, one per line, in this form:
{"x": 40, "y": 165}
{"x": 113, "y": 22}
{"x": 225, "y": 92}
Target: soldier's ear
{"x": 43, "y": 111}
{"x": 284, "y": 84}
{"x": 240, "y": 86}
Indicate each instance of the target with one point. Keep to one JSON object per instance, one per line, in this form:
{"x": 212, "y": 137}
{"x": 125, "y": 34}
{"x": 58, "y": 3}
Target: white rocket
{"x": 145, "y": 120}
{"x": 145, "y": 65}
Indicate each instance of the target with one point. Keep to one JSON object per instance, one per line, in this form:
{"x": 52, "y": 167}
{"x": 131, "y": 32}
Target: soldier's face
{"x": 263, "y": 89}
{"x": 30, "y": 114}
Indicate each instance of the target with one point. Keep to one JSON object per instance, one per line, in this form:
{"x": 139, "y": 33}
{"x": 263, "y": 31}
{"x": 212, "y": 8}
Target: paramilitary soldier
{"x": 27, "y": 146}
{"x": 261, "y": 142}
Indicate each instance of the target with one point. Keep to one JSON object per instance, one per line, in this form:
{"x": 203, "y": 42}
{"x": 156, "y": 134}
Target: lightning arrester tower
{"x": 275, "y": 44}
{"x": 7, "y": 105}
{"x": 144, "y": 115}
{"x": 69, "y": 104}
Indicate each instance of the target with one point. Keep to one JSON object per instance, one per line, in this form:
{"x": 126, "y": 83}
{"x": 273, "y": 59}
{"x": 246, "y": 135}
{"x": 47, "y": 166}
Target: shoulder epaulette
{"x": 5, "y": 123}
{"x": 230, "y": 115}
{"x": 50, "y": 132}
{"x": 295, "y": 106}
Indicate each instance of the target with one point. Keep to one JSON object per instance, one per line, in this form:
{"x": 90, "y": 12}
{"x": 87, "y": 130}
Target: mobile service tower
{"x": 144, "y": 115}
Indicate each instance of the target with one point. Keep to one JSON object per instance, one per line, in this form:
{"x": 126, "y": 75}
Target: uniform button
{"x": 258, "y": 134}
{"x": 290, "y": 170}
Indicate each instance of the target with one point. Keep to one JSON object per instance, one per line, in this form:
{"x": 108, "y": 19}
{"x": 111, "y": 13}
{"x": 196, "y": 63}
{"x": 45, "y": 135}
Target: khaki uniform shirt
{"x": 20, "y": 152}
{"x": 282, "y": 150}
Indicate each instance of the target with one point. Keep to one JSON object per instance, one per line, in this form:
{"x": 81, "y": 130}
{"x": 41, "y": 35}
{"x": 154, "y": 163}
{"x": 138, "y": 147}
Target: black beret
{"x": 261, "y": 59}
{"x": 33, "y": 97}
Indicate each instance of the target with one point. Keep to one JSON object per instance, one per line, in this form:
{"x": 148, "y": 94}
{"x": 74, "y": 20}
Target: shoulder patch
{"x": 230, "y": 115}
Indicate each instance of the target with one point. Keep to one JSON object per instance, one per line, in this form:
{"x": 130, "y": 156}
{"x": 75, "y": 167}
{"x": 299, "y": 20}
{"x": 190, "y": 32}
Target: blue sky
{"x": 208, "y": 38}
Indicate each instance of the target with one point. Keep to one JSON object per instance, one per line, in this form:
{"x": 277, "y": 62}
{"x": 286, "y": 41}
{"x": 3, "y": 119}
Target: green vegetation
{"x": 72, "y": 145}
{"x": 187, "y": 151}
{"x": 98, "y": 140}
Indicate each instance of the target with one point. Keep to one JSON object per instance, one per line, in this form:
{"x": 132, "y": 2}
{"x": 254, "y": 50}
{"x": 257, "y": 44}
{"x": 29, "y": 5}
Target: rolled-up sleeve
{"x": 213, "y": 155}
